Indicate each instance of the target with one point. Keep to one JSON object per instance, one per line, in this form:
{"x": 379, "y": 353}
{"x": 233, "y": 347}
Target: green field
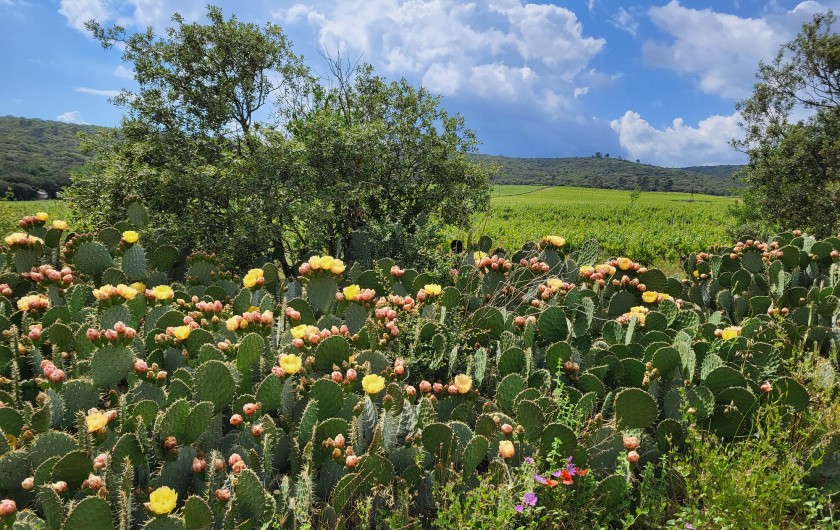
{"x": 12, "y": 211}
{"x": 655, "y": 227}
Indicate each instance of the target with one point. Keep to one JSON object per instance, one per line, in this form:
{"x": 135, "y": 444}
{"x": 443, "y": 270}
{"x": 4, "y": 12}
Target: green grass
{"x": 12, "y": 211}
{"x": 655, "y": 227}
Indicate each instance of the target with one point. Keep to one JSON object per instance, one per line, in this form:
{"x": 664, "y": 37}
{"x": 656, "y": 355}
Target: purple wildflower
{"x": 519, "y": 508}
{"x": 530, "y": 498}
{"x": 557, "y": 473}
{"x": 689, "y": 526}
{"x": 539, "y": 479}
{"x": 529, "y": 460}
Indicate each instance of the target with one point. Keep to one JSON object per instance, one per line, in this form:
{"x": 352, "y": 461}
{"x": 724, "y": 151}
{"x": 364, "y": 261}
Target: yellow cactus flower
{"x": 126, "y": 291}
{"x": 606, "y": 269}
{"x": 327, "y": 262}
{"x": 315, "y": 262}
{"x": 130, "y": 236}
{"x": 103, "y": 293}
{"x": 42, "y": 216}
{"x": 181, "y": 332}
{"x": 15, "y": 238}
{"x": 696, "y": 274}
{"x": 373, "y": 384}
{"x": 291, "y": 363}
{"x": 639, "y": 309}
{"x": 38, "y": 301}
{"x": 554, "y": 282}
{"x": 96, "y": 421}
{"x": 163, "y": 292}
{"x": 463, "y": 383}
{"x": 20, "y": 238}
{"x": 250, "y": 279}
{"x": 232, "y": 324}
{"x": 351, "y": 292}
{"x": 163, "y": 500}
{"x": 650, "y": 297}
{"x": 506, "y": 449}
{"x": 586, "y": 269}
{"x": 140, "y": 287}
{"x": 58, "y": 224}
{"x": 433, "y": 289}
{"x": 555, "y": 241}
{"x": 479, "y": 255}
{"x": 731, "y": 332}
{"x": 298, "y": 331}
{"x": 624, "y": 263}
{"x": 337, "y": 267}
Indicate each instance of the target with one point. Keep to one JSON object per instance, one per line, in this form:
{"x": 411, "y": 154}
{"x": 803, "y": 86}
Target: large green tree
{"x": 192, "y": 143}
{"x": 236, "y": 148}
{"x": 793, "y": 172}
{"x": 389, "y": 163}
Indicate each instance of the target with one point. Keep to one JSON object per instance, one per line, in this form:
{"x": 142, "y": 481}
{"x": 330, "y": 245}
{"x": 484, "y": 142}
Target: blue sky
{"x": 653, "y": 80}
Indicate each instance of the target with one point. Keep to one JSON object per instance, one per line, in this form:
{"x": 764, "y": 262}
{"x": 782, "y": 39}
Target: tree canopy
{"x": 236, "y": 148}
{"x": 794, "y": 169}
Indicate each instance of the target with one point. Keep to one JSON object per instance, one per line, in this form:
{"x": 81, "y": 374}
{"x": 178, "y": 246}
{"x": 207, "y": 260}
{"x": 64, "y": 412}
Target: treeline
{"x": 38, "y": 155}
{"x": 611, "y": 173}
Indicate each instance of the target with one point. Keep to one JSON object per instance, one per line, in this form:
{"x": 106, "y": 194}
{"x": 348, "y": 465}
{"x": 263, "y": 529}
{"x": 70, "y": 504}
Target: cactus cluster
{"x": 151, "y": 389}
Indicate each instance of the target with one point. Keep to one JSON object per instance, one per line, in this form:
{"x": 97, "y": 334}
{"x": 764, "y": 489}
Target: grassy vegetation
{"x": 657, "y": 227}
{"x": 12, "y": 211}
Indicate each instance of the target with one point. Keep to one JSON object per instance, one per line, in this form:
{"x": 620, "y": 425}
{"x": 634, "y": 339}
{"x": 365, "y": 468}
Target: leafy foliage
{"x": 797, "y": 162}
{"x": 230, "y": 138}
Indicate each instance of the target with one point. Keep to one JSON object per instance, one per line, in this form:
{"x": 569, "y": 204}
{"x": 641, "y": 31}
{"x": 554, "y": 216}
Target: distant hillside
{"x": 38, "y": 155}
{"x": 715, "y": 171}
{"x": 606, "y": 173}
{"x": 41, "y": 155}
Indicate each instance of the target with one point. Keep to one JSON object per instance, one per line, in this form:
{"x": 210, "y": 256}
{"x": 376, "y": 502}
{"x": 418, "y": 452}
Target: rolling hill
{"x": 38, "y": 155}
{"x": 610, "y": 173}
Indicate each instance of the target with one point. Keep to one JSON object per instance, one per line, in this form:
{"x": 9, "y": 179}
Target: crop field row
{"x": 653, "y": 226}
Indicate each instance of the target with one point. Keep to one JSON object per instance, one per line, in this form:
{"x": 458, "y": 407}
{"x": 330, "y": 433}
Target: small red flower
{"x": 551, "y": 482}
{"x": 582, "y": 472}
{"x": 566, "y": 477}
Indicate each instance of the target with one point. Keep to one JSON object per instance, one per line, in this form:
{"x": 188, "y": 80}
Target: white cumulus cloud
{"x": 721, "y": 51}
{"x": 128, "y": 13}
{"x": 77, "y": 12}
{"x": 501, "y": 50}
{"x": 680, "y": 144}
{"x": 97, "y": 92}
{"x": 73, "y": 116}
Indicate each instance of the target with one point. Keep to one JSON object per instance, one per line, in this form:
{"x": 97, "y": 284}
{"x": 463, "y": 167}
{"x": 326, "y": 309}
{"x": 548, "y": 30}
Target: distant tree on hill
{"x": 669, "y": 184}
{"x": 598, "y": 154}
{"x": 797, "y": 164}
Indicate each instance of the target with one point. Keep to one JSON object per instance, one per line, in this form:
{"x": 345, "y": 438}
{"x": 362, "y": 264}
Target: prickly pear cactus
{"x": 135, "y": 401}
